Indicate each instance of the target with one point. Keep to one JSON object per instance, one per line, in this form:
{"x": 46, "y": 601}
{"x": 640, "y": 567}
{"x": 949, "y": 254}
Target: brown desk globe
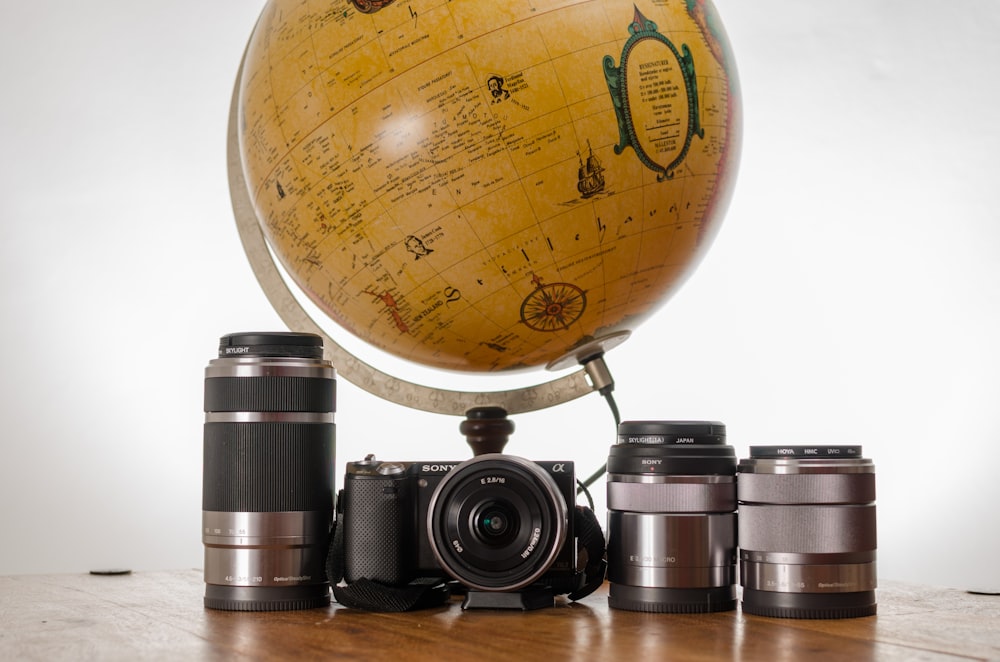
{"x": 486, "y": 186}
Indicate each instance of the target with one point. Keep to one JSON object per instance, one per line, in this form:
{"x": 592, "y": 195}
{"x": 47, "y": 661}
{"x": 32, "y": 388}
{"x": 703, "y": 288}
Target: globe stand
{"x": 487, "y": 429}
{"x": 365, "y": 376}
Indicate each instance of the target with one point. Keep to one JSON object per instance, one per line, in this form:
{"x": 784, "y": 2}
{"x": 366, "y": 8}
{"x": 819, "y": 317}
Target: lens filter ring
{"x": 277, "y": 343}
{"x": 497, "y": 522}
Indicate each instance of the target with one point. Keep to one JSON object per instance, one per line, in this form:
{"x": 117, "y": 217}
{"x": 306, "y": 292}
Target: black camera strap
{"x": 590, "y": 542}
{"x": 372, "y": 596}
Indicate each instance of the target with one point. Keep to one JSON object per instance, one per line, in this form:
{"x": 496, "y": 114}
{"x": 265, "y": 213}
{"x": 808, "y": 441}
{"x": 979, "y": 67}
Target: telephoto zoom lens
{"x": 672, "y": 518}
{"x": 807, "y": 532}
{"x": 267, "y": 492}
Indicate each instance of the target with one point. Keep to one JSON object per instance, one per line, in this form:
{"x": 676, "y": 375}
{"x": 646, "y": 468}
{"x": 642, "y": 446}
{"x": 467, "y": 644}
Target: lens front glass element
{"x": 497, "y": 524}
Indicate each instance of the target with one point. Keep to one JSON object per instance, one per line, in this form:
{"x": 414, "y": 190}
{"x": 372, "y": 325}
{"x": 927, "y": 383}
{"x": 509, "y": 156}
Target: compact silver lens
{"x": 807, "y": 532}
{"x": 672, "y": 520}
{"x": 267, "y": 491}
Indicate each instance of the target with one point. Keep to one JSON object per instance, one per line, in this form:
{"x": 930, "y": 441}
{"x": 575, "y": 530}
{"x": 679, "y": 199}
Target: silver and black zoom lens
{"x": 672, "y": 518}
{"x": 267, "y": 492}
{"x": 807, "y": 532}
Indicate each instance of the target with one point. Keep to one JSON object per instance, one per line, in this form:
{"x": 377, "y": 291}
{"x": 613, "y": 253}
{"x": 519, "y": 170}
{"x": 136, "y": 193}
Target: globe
{"x": 487, "y": 186}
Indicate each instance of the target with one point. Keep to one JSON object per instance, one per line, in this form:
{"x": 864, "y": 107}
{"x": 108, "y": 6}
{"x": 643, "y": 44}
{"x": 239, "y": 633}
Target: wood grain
{"x": 159, "y": 615}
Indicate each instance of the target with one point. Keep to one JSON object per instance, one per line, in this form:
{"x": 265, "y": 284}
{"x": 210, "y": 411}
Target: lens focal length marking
{"x": 264, "y": 549}
{"x": 789, "y": 558}
{"x": 228, "y": 525}
{"x": 788, "y": 578}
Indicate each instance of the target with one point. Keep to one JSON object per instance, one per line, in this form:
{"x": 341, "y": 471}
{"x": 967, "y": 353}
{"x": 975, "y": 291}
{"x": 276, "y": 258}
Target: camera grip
{"x": 377, "y": 514}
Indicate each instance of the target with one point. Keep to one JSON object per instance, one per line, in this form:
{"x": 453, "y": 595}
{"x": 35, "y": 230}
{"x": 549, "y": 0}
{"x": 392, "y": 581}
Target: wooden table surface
{"x": 159, "y": 615}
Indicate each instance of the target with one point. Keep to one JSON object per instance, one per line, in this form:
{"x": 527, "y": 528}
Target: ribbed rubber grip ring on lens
{"x": 313, "y": 394}
{"x": 807, "y": 529}
{"x": 268, "y": 467}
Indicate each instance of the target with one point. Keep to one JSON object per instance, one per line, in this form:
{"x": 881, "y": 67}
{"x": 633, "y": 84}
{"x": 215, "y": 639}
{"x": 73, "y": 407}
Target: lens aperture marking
{"x": 536, "y": 535}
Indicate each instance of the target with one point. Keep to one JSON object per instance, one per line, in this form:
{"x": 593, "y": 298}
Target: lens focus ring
{"x": 807, "y": 488}
{"x": 680, "y": 543}
{"x": 673, "y": 494}
{"x": 807, "y": 530}
{"x": 269, "y": 394}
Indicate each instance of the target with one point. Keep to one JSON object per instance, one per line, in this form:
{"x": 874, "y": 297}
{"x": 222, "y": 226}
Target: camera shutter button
{"x": 390, "y": 468}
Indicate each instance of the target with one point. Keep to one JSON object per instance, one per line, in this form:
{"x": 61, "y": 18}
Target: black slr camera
{"x": 504, "y": 527}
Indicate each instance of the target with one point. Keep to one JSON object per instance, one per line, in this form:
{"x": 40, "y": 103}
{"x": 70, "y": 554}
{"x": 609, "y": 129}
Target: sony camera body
{"x": 496, "y": 523}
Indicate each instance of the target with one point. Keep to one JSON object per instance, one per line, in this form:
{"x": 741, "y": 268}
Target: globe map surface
{"x": 486, "y": 186}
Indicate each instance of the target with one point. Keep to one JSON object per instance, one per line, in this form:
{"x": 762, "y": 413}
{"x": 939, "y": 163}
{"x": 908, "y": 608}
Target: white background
{"x": 852, "y": 295}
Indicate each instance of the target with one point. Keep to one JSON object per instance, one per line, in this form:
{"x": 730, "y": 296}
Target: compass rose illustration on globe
{"x": 478, "y": 186}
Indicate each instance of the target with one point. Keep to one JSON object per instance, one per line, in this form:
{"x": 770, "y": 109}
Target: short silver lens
{"x": 807, "y": 532}
{"x": 672, "y": 520}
